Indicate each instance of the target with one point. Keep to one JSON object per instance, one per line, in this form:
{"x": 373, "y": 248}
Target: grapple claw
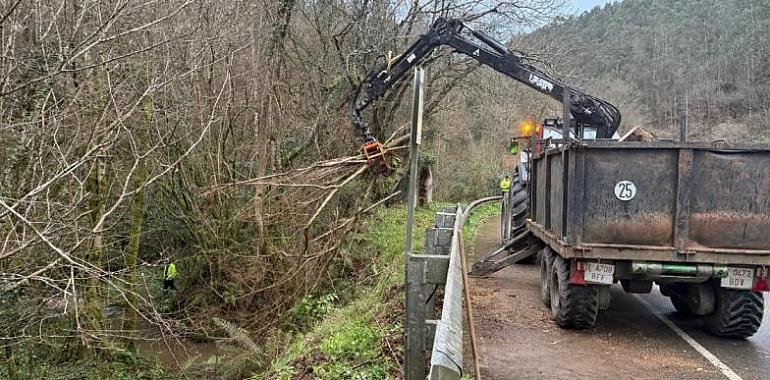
{"x": 375, "y": 156}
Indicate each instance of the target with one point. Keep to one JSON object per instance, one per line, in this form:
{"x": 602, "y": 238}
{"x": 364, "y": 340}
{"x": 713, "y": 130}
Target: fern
{"x": 239, "y": 335}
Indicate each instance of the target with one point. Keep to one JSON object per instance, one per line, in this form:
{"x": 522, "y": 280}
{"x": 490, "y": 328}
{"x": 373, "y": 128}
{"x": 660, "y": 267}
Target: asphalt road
{"x": 517, "y": 339}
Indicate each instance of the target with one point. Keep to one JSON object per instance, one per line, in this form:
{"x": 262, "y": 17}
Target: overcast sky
{"x": 585, "y": 5}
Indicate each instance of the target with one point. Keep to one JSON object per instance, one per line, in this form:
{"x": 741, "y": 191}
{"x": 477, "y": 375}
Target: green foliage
{"x": 763, "y": 138}
{"x": 385, "y": 231}
{"x": 479, "y": 215}
{"x": 283, "y": 371}
{"x": 349, "y": 343}
{"x": 358, "y": 342}
{"x": 427, "y": 159}
{"x": 310, "y": 309}
{"x": 91, "y": 368}
{"x": 339, "y": 371}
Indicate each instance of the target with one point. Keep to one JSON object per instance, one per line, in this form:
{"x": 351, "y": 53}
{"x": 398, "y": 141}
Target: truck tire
{"x": 546, "y": 260}
{"x": 519, "y": 202}
{"x": 738, "y": 313}
{"x": 572, "y": 306}
{"x": 516, "y": 201}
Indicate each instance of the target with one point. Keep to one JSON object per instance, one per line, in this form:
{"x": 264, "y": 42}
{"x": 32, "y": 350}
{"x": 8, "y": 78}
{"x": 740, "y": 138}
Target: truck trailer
{"x": 692, "y": 218}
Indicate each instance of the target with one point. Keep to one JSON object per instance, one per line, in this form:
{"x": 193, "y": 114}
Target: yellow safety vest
{"x": 170, "y": 271}
{"x": 505, "y": 185}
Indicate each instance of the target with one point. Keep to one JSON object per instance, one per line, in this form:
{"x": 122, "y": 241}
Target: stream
{"x": 172, "y": 353}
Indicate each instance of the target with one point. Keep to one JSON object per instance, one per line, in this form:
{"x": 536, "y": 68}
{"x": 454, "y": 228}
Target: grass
{"x": 364, "y": 338}
{"x": 479, "y": 216}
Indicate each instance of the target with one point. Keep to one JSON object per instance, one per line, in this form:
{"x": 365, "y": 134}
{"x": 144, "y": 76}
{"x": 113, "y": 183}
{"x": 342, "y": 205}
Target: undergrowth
{"x": 91, "y": 368}
{"x": 363, "y": 339}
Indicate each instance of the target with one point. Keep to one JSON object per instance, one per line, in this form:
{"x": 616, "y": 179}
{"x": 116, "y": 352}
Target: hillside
{"x": 660, "y": 60}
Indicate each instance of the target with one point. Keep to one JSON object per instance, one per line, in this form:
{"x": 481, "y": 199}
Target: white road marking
{"x": 729, "y": 373}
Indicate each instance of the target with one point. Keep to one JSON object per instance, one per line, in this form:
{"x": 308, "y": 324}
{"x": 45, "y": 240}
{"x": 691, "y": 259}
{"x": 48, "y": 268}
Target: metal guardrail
{"x": 439, "y": 266}
{"x": 478, "y": 202}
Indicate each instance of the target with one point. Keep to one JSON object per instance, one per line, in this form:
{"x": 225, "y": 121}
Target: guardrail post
{"x": 430, "y": 290}
{"x": 415, "y": 320}
{"x": 445, "y": 222}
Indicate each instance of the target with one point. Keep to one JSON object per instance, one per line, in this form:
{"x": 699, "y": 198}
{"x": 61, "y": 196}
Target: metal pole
{"x": 414, "y": 144}
{"x": 567, "y": 115}
{"x": 415, "y": 296}
{"x": 567, "y": 104}
{"x": 683, "y": 122}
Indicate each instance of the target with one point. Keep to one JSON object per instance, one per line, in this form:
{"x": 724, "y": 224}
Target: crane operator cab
{"x": 550, "y": 134}
{"x": 552, "y": 129}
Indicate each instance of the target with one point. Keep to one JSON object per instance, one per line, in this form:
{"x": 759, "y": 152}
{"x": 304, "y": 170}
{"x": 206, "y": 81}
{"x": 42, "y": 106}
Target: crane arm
{"x": 586, "y": 110}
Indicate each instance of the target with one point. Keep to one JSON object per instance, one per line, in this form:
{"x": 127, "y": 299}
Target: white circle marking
{"x": 625, "y": 190}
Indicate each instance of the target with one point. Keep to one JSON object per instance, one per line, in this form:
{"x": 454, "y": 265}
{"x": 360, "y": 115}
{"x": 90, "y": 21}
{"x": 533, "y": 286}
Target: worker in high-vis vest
{"x": 505, "y": 185}
{"x": 169, "y": 274}
{"x": 513, "y": 147}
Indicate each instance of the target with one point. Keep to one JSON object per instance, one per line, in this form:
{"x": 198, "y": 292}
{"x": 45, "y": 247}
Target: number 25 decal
{"x": 625, "y": 190}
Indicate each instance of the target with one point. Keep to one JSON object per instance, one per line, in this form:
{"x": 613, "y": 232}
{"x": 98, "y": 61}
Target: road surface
{"x": 517, "y": 339}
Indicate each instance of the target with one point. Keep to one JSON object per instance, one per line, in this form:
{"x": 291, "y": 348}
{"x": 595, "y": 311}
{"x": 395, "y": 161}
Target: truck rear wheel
{"x": 572, "y": 306}
{"x": 546, "y": 260}
{"x": 738, "y": 313}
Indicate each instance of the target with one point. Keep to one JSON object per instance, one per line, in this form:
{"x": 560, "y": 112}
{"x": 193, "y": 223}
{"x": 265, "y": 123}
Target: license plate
{"x": 739, "y": 278}
{"x": 599, "y": 273}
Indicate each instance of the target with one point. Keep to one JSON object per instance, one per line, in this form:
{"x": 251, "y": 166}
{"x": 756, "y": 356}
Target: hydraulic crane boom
{"x": 586, "y": 110}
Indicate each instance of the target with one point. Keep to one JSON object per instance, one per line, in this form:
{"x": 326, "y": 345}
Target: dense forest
{"x": 661, "y": 60}
{"x": 217, "y": 135}
{"x": 214, "y": 135}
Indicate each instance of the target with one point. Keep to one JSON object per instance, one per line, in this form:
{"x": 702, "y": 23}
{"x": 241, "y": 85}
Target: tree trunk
{"x": 134, "y": 238}
{"x": 263, "y": 124}
{"x": 265, "y": 117}
{"x": 10, "y": 364}
{"x": 425, "y": 187}
{"x": 132, "y": 253}
{"x": 93, "y": 308}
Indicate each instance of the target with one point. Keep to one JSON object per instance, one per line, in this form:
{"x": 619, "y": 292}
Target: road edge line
{"x": 727, "y": 371}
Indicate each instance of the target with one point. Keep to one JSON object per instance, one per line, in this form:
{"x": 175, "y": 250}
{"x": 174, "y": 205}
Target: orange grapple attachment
{"x": 375, "y": 156}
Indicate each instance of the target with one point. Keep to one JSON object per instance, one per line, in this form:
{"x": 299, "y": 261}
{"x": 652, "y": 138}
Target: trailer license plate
{"x": 739, "y": 278}
{"x": 599, "y": 273}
